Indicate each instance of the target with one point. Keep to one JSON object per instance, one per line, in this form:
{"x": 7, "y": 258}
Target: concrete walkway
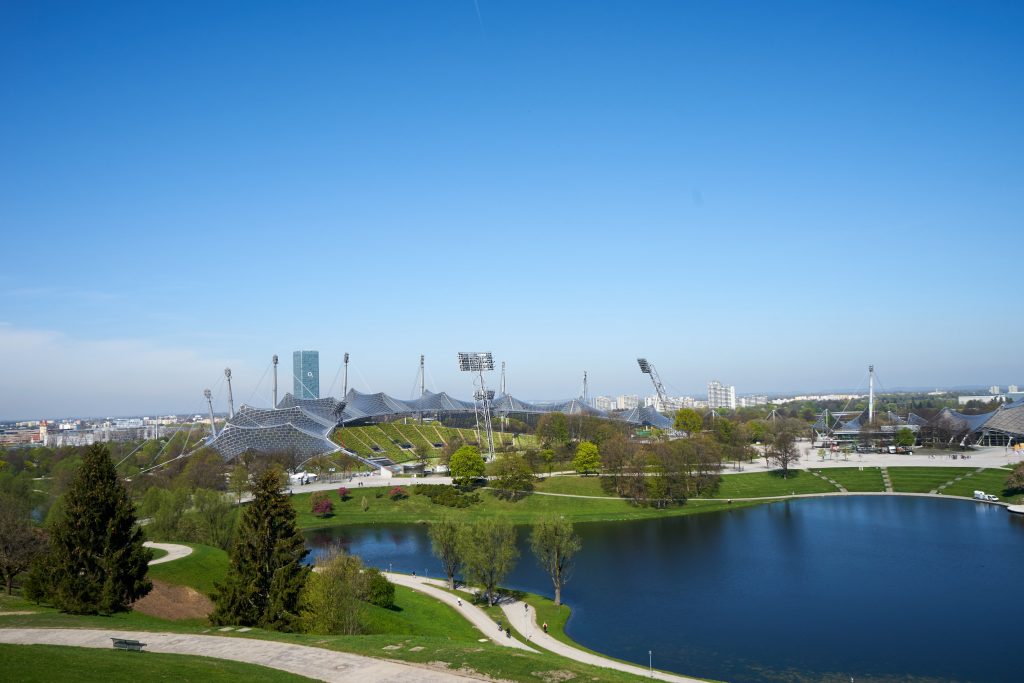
{"x": 472, "y": 613}
{"x": 312, "y": 662}
{"x": 525, "y": 621}
{"x": 173, "y": 550}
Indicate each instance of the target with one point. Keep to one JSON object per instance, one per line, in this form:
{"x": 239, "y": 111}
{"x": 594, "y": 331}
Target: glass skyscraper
{"x": 306, "y": 374}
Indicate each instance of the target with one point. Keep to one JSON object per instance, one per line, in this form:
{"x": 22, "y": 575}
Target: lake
{"x": 866, "y": 587}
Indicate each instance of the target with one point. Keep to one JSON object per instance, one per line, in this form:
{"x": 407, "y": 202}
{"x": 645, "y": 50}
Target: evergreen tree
{"x": 97, "y": 563}
{"x": 266, "y": 575}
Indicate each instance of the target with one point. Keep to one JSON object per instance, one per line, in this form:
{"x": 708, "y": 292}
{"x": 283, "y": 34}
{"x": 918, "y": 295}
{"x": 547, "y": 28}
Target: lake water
{"x": 869, "y": 588}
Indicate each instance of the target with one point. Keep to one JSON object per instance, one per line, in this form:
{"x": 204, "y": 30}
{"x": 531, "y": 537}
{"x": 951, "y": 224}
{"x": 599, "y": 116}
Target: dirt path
{"x": 323, "y": 665}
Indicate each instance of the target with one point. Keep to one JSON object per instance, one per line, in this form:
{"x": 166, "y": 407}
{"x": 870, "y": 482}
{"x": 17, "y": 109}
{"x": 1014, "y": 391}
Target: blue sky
{"x": 771, "y": 194}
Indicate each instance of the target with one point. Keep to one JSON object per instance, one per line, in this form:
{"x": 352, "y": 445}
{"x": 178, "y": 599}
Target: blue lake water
{"x": 869, "y": 588}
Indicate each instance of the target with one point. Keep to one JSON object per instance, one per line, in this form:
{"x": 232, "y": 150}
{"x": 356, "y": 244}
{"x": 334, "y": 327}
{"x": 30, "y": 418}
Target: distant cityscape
{"x": 306, "y": 384}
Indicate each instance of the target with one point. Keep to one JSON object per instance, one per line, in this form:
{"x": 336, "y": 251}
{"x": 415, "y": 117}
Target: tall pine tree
{"x": 266, "y": 574}
{"x": 97, "y": 563}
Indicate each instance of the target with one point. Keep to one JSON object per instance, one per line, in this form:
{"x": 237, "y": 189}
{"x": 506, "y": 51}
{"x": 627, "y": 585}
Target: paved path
{"x": 173, "y": 550}
{"x": 474, "y": 614}
{"x": 318, "y": 663}
{"x": 525, "y": 621}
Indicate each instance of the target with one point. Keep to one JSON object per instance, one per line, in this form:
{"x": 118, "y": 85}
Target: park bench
{"x": 123, "y": 644}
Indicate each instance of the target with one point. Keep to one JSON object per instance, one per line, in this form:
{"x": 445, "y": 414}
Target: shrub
{"x": 321, "y": 504}
{"x": 365, "y": 504}
{"x": 448, "y": 496}
{"x": 343, "y": 494}
{"x": 397, "y": 493}
{"x": 379, "y": 591}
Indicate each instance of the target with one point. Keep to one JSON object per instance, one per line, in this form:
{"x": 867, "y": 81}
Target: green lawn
{"x": 760, "y": 484}
{"x": 856, "y": 479}
{"x": 524, "y": 511}
{"x": 199, "y": 570}
{"x": 48, "y": 663}
{"x": 992, "y": 481}
{"x": 578, "y": 486}
{"x": 922, "y": 479}
{"x": 417, "y": 614}
{"x": 157, "y": 553}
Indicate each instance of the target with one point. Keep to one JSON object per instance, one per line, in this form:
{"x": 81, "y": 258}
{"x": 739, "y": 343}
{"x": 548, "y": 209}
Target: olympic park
{"x": 304, "y": 426}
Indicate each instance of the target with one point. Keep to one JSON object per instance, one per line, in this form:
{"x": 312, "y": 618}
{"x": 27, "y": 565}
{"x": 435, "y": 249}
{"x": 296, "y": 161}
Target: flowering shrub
{"x": 397, "y": 493}
{"x": 321, "y": 504}
{"x": 343, "y": 494}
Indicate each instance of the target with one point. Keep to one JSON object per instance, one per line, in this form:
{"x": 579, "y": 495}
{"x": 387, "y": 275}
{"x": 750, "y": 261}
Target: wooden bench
{"x": 123, "y": 644}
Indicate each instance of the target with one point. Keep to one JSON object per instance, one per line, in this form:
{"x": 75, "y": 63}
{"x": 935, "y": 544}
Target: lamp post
{"x": 650, "y": 662}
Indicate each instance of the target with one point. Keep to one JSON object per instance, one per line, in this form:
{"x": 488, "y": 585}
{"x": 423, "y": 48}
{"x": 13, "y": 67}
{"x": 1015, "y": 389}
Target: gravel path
{"x": 312, "y": 662}
{"x": 525, "y": 621}
{"x": 173, "y": 550}
{"x": 474, "y": 614}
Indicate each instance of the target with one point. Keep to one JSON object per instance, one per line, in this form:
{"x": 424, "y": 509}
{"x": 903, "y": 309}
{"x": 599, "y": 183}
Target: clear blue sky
{"x": 770, "y": 194}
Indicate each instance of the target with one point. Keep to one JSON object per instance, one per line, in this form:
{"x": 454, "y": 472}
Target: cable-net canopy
{"x": 303, "y": 425}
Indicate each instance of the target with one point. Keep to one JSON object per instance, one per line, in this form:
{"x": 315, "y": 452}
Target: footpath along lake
{"x": 874, "y": 588}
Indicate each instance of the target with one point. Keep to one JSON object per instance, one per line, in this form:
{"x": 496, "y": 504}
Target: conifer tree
{"x": 97, "y": 563}
{"x": 266, "y": 575}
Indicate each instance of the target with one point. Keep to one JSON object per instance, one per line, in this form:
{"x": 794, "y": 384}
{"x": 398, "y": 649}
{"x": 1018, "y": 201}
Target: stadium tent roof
{"x": 1008, "y": 419}
{"x": 303, "y": 425}
{"x": 958, "y": 422}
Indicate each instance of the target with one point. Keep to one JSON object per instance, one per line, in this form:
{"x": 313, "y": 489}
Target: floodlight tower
{"x": 209, "y": 402}
{"x": 585, "y": 396}
{"x": 344, "y": 384}
{"x": 479, "y": 362}
{"x": 871, "y": 393}
{"x": 275, "y": 380}
{"x": 231, "y": 399}
{"x": 647, "y": 368}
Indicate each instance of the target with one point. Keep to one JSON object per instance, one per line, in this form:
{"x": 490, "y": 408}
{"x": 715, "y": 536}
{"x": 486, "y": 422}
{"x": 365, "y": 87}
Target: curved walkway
{"x": 525, "y": 621}
{"x": 474, "y": 614}
{"x": 324, "y": 665}
{"x": 174, "y": 551}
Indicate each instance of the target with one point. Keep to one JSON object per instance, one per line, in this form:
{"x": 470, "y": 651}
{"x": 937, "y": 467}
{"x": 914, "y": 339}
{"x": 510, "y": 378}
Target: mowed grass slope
{"x": 762, "y": 484}
{"x": 576, "y": 486}
{"x": 992, "y": 480}
{"x": 868, "y": 479}
{"x": 200, "y": 570}
{"x": 49, "y": 663}
{"x": 922, "y": 479}
{"x": 527, "y": 510}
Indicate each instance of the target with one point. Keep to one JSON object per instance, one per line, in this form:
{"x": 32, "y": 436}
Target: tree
{"x": 513, "y": 476}
{"x": 905, "y": 437}
{"x": 331, "y": 595}
{"x": 688, "y": 420}
{"x": 320, "y": 504}
{"x": 587, "y": 460}
{"x": 445, "y": 535}
{"x": 466, "y": 464}
{"x": 422, "y": 451}
{"x": 488, "y": 549}
{"x": 548, "y": 456}
{"x": 97, "y": 563}
{"x": 20, "y": 542}
{"x": 204, "y": 470}
{"x": 265, "y": 572}
{"x": 378, "y": 590}
{"x": 553, "y": 429}
{"x": 1015, "y": 482}
{"x": 784, "y": 452}
{"x": 238, "y": 482}
{"x": 554, "y": 543}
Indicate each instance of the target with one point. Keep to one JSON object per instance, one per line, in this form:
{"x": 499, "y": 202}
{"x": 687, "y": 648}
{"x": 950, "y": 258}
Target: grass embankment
{"x": 47, "y": 663}
{"x": 157, "y": 553}
{"x": 572, "y": 485}
{"x": 922, "y": 479}
{"x": 529, "y": 509}
{"x": 762, "y": 484}
{"x": 856, "y": 479}
{"x": 200, "y": 569}
{"x": 992, "y": 480}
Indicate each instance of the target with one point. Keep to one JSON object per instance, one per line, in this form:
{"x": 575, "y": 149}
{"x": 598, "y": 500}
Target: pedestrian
{"x": 501, "y": 627}
{"x": 526, "y": 608}
{"x": 508, "y": 632}
{"x": 545, "y": 627}
{"x": 460, "y": 602}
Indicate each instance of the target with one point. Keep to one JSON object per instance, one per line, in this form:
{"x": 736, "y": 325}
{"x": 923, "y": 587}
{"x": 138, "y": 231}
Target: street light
{"x": 650, "y": 662}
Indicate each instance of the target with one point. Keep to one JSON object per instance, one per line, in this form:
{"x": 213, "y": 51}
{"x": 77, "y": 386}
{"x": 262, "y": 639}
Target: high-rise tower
{"x": 306, "y": 374}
